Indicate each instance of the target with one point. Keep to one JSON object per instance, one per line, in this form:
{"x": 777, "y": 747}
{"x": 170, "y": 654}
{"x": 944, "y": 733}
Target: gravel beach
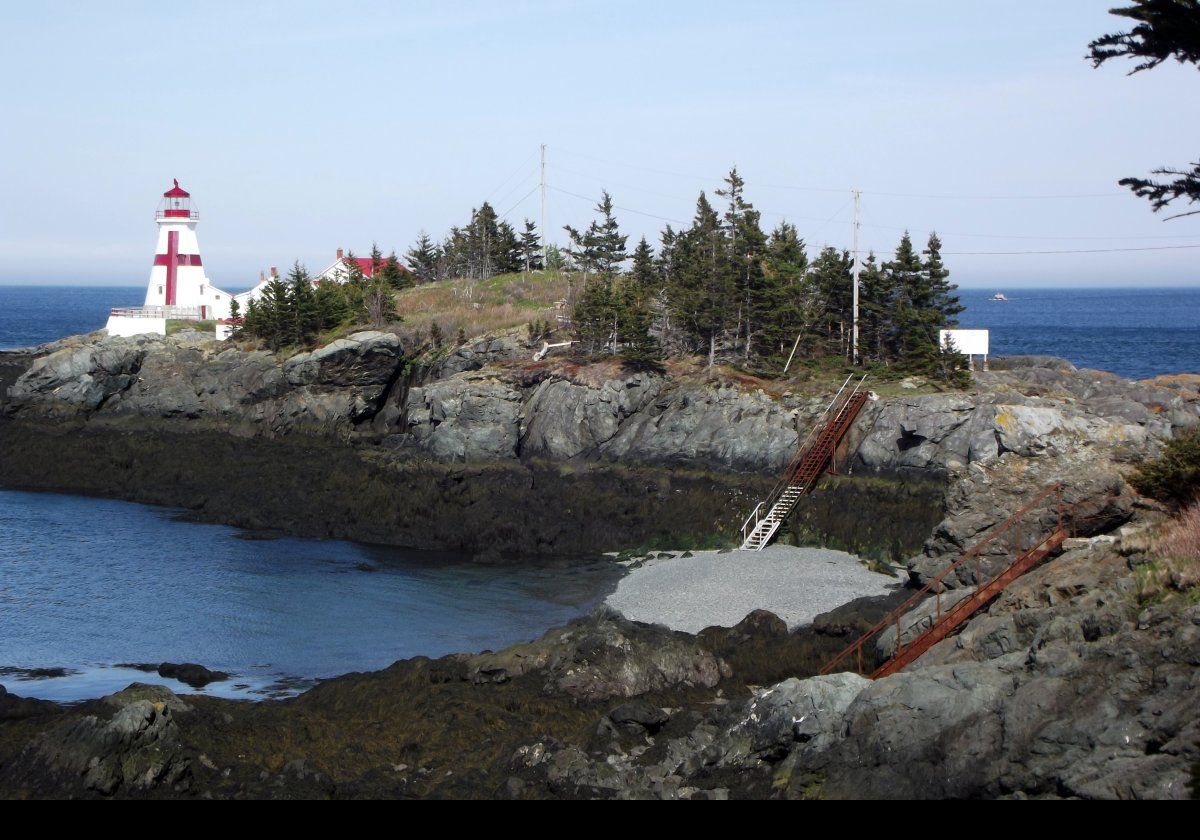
{"x": 711, "y": 588}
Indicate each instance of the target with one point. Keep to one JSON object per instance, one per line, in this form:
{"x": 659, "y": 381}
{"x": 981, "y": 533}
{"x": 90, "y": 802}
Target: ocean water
{"x": 87, "y": 584}
{"x": 32, "y": 315}
{"x": 1135, "y": 333}
{"x": 1132, "y": 332}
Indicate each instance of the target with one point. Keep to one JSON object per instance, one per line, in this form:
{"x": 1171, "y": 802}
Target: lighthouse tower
{"x": 177, "y": 280}
{"x": 178, "y": 288}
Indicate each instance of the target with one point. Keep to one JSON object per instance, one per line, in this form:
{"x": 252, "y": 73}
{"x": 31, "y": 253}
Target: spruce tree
{"x": 608, "y": 242}
{"x": 644, "y": 273}
{"x": 276, "y": 313}
{"x": 832, "y": 275}
{"x": 531, "y": 247}
{"x": 353, "y": 272}
{"x": 745, "y": 246}
{"x": 376, "y": 259}
{"x": 394, "y": 274}
{"x": 789, "y": 303}
{"x": 594, "y": 314}
{"x": 941, "y": 291}
{"x": 639, "y": 349}
{"x": 305, "y": 318}
{"x": 703, "y": 292}
{"x": 423, "y": 258}
{"x": 333, "y": 308}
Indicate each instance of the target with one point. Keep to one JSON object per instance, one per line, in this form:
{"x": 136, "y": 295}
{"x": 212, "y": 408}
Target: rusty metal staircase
{"x": 1030, "y": 542}
{"x": 810, "y": 461}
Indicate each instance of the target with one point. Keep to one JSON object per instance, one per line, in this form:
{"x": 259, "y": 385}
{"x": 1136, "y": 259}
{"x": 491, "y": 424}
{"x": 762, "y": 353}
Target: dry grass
{"x": 1175, "y": 547}
{"x": 477, "y": 307}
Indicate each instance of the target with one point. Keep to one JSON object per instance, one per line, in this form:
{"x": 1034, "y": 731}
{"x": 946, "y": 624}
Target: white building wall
{"x": 192, "y": 287}
{"x": 119, "y": 325}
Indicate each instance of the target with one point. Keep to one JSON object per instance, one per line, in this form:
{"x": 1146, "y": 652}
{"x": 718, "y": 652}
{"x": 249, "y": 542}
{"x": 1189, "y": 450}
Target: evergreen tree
{"x": 353, "y": 271}
{"x": 667, "y": 263}
{"x": 394, "y": 274}
{"x": 703, "y": 292}
{"x": 644, "y": 273}
{"x": 235, "y": 309}
{"x": 941, "y": 290}
{"x": 305, "y": 318}
{"x": 333, "y": 308}
{"x": 601, "y": 247}
{"x": 1165, "y": 29}
{"x": 831, "y": 272}
{"x": 376, "y": 259}
{"x": 875, "y": 306}
{"x": 531, "y": 247}
{"x": 276, "y": 319}
{"x": 594, "y": 315}
{"x": 554, "y": 259}
{"x": 608, "y": 242}
{"x": 423, "y": 258}
{"x": 639, "y": 349}
{"x": 912, "y": 309}
{"x": 745, "y": 246}
{"x": 507, "y": 257}
{"x": 789, "y": 303}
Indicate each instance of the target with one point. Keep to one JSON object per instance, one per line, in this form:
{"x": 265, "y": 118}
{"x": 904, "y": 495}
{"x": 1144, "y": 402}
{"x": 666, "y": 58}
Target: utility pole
{"x": 855, "y": 269}
{"x": 545, "y": 242}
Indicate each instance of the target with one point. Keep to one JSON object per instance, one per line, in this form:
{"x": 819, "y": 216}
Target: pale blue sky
{"x": 300, "y": 127}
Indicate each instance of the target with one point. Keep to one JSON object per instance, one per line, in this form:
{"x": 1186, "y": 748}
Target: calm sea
{"x": 1132, "y": 332}
{"x": 1136, "y": 333}
{"x": 86, "y": 584}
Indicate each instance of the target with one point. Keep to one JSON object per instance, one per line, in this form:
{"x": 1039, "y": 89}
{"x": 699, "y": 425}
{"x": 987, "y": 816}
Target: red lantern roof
{"x": 176, "y": 191}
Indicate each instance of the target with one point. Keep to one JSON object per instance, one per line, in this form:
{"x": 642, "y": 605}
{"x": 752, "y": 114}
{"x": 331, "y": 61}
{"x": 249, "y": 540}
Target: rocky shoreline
{"x": 1067, "y": 686}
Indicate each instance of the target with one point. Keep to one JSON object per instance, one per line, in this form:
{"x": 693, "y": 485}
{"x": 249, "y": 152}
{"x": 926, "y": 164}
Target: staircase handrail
{"x": 814, "y": 431}
{"x": 753, "y": 515}
{"x": 892, "y": 619}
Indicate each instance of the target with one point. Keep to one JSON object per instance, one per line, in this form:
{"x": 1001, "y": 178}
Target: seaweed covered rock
{"x": 605, "y": 655}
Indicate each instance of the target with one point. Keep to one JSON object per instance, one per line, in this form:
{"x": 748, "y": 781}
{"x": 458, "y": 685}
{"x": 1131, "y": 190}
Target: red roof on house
{"x": 364, "y": 264}
{"x": 177, "y": 191}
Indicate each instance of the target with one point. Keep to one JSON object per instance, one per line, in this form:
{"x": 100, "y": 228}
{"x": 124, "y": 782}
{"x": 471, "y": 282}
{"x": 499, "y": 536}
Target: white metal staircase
{"x": 806, "y": 467}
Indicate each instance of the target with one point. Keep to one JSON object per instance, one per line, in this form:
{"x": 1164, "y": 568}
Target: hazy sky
{"x": 300, "y": 127}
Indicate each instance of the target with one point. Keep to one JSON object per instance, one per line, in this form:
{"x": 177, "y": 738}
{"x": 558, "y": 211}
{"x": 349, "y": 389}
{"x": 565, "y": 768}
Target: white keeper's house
{"x": 178, "y": 288}
{"x": 337, "y": 271}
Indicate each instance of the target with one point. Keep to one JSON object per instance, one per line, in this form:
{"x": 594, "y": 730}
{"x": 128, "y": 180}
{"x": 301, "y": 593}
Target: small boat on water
{"x": 999, "y": 296}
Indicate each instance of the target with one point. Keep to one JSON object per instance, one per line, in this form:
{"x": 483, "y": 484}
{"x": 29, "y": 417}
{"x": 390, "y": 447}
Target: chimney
{"x": 262, "y": 275}
{"x": 339, "y": 253}
{"x": 274, "y": 271}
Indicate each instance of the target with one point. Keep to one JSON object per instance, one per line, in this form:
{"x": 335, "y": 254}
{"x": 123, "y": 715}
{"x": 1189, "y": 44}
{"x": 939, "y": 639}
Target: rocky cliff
{"x": 1070, "y": 684}
{"x": 367, "y": 400}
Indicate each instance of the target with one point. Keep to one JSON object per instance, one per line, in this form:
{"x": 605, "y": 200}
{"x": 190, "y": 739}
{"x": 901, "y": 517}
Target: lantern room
{"x": 176, "y": 204}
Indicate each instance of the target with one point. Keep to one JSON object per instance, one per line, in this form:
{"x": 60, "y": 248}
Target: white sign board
{"x": 967, "y": 342}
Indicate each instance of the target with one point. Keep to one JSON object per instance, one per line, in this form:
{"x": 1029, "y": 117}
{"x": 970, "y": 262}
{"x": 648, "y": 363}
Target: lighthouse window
{"x": 201, "y": 289}
{"x": 160, "y": 290}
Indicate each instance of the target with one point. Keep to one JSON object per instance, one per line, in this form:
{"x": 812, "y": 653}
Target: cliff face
{"x": 1034, "y": 422}
{"x": 1068, "y": 685}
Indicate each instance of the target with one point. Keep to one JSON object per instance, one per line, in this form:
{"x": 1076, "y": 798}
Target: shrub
{"x": 1174, "y": 476}
{"x": 1174, "y": 548}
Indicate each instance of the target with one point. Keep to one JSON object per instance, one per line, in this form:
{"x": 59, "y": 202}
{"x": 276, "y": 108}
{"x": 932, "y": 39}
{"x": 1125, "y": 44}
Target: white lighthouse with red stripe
{"x": 177, "y": 280}
{"x": 178, "y": 288}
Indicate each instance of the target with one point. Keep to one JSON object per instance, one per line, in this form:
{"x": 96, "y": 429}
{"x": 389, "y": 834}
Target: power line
{"x": 1036, "y": 237}
{"x": 883, "y": 193}
{"x": 617, "y": 206}
{"x": 504, "y": 215}
{"x": 510, "y": 177}
{"x": 1070, "y": 251}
